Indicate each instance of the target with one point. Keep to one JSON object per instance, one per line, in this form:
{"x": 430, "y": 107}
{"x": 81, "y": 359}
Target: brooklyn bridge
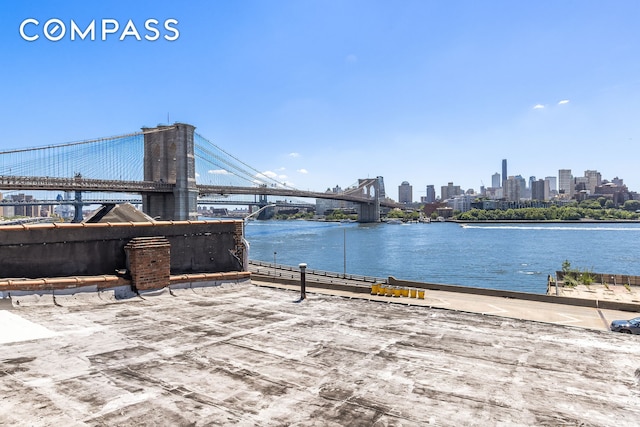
{"x": 171, "y": 168}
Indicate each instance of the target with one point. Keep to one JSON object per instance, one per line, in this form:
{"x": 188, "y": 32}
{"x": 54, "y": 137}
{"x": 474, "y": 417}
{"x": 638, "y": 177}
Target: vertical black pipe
{"x": 303, "y": 285}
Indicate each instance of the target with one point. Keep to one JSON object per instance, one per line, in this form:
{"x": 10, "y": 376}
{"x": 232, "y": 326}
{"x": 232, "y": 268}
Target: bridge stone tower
{"x": 169, "y": 157}
{"x": 371, "y": 187}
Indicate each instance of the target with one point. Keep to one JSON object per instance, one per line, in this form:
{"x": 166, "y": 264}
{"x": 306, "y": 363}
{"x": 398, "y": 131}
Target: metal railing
{"x": 271, "y": 269}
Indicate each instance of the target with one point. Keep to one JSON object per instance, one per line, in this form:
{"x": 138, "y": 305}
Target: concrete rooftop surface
{"x": 252, "y": 356}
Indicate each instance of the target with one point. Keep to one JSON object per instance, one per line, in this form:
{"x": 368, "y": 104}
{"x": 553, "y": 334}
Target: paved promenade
{"x": 560, "y": 314}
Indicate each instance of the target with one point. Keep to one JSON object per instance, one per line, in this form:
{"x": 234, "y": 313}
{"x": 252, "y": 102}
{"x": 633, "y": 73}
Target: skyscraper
{"x": 594, "y": 179}
{"x": 512, "y": 189}
{"x": 431, "y": 193}
{"x": 565, "y": 183}
{"x": 504, "y": 172}
{"x": 495, "y": 180}
{"x": 538, "y": 190}
{"x": 381, "y": 193}
{"x": 449, "y": 190}
{"x": 405, "y": 193}
{"x": 553, "y": 189}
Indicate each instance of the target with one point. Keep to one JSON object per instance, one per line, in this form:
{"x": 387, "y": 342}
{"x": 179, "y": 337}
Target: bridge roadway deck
{"x": 334, "y": 284}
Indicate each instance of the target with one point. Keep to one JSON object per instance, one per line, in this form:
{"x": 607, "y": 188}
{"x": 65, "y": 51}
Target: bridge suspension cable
{"x": 228, "y": 169}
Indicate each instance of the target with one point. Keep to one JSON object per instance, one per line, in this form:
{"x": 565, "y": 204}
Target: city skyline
{"x": 323, "y": 93}
{"x": 556, "y": 179}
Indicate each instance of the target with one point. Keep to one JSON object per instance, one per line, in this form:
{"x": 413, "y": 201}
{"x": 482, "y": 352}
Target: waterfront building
{"x": 405, "y": 193}
{"x": 495, "y": 180}
{"x": 449, "y": 190}
{"x": 494, "y": 193}
{"x": 28, "y": 210}
{"x": 565, "y": 183}
{"x": 461, "y": 203}
{"x": 324, "y": 206}
{"x": 1, "y": 208}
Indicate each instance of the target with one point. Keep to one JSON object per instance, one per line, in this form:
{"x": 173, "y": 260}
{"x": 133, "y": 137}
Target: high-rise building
{"x": 594, "y": 179}
{"x": 405, "y": 193}
{"x": 523, "y": 186}
{"x": 431, "y": 194}
{"x": 538, "y": 190}
{"x": 512, "y": 189}
{"x": 553, "y": 187}
{"x": 617, "y": 181}
{"x": 565, "y": 183}
{"x": 381, "y": 193}
{"x": 504, "y": 172}
{"x": 495, "y": 180}
{"x": 449, "y": 190}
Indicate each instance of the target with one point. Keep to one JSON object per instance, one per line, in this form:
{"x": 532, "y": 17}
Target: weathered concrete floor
{"x": 251, "y": 356}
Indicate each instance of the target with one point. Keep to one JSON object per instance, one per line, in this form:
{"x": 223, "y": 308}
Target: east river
{"x": 514, "y": 257}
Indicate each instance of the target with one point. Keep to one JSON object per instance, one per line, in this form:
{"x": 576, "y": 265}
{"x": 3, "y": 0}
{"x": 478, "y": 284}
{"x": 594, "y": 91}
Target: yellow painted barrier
{"x": 397, "y": 292}
{"x": 382, "y": 290}
{"x": 374, "y": 289}
{"x": 405, "y": 292}
{"x": 389, "y": 291}
{"x": 414, "y": 293}
{"x": 420, "y": 294}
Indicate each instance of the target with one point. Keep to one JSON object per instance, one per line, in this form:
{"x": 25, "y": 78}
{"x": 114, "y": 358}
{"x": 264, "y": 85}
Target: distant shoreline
{"x": 550, "y": 221}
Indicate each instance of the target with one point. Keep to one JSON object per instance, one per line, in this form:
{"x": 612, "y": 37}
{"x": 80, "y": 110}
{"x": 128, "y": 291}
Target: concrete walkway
{"x": 561, "y": 314}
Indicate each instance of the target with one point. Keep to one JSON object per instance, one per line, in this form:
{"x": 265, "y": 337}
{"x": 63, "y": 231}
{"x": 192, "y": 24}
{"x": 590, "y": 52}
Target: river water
{"x": 514, "y": 257}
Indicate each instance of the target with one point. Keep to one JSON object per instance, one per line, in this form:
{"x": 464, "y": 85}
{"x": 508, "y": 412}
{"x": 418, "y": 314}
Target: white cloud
{"x": 282, "y": 177}
{"x": 219, "y": 172}
{"x": 538, "y": 107}
{"x": 302, "y": 171}
{"x": 564, "y": 101}
{"x": 294, "y": 155}
{"x": 267, "y": 174}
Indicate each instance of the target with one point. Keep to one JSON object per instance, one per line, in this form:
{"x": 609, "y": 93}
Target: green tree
{"x": 631, "y": 205}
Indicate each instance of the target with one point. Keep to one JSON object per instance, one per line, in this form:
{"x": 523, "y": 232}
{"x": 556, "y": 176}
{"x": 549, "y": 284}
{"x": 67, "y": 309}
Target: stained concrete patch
{"x": 249, "y": 356}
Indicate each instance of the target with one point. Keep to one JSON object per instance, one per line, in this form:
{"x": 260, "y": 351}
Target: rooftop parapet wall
{"x": 61, "y": 249}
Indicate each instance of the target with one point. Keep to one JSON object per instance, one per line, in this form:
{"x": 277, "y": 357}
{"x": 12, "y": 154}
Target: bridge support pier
{"x": 77, "y": 205}
{"x": 370, "y": 212}
{"x": 169, "y": 157}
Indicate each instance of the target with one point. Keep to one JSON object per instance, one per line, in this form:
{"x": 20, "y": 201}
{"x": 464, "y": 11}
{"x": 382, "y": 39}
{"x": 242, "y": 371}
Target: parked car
{"x": 631, "y": 326}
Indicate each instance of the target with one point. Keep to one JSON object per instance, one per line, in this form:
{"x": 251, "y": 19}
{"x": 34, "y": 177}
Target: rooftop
{"x": 248, "y": 355}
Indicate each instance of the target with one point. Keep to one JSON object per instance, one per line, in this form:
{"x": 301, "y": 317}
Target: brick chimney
{"x": 149, "y": 262}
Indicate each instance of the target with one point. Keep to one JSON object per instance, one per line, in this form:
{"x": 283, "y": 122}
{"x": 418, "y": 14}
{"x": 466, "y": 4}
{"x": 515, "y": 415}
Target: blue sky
{"x": 322, "y": 93}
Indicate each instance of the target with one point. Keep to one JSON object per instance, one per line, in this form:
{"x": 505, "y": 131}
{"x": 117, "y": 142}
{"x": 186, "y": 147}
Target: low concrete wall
{"x": 61, "y": 249}
{"x": 612, "y": 305}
